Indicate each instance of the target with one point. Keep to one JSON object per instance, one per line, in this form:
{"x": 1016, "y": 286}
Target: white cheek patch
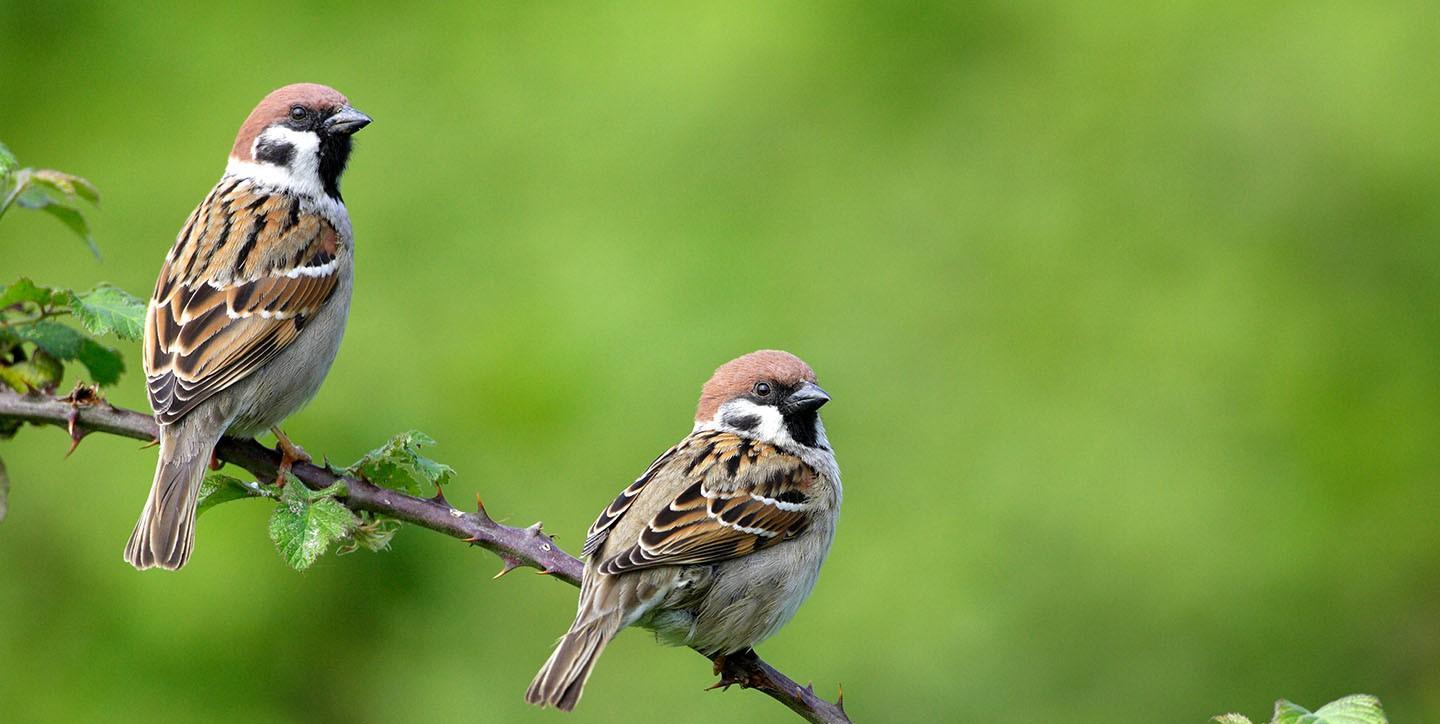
{"x": 301, "y": 176}
{"x": 770, "y": 425}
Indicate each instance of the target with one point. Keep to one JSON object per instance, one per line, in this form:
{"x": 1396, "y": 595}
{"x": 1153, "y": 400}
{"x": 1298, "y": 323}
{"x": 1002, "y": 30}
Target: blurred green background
{"x": 1130, "y": 315}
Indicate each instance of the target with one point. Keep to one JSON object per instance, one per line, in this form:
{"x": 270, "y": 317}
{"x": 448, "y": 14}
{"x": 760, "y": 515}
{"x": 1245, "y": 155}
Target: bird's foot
{"x": 737, "y": 668}
{"x": 290, "y": 453}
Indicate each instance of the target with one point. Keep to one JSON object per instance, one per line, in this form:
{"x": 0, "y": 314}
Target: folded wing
{"x": 743, "y": 496}
{"x": 248, "y": 273}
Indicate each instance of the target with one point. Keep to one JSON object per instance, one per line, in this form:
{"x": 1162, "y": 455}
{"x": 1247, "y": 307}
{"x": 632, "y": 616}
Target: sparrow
{"x": 250, "y": 305}
{"x": 719, "y": 542}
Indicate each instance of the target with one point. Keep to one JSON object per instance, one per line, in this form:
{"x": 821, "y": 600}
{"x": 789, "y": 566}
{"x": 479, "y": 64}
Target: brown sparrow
{"x": 250, "y": 305}
{"x": 719, "y": 542}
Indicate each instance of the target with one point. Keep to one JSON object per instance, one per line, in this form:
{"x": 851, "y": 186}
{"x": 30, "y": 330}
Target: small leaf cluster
{"x": 34, "y": 345}
{"x": 1355, "y": 709}
{"x": 399, "y": 465}
{"x": 49, "y": 191}
{"x": 306, "y": 523}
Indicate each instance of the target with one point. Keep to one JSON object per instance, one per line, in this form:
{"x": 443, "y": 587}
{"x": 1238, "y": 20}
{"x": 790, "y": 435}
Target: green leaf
{"x": 219, "y": 488}
{"x": 4, "y": 487}
{"x": 60, "y": 341}
{"x": 65, "y": 343}
{"x": 1356, "y": 709}
{"x": 40, "y": 372}
{"x": 7, "y": 160}
{"x": 103, "y": 363}
{"x": 1231, "y": 719}
{"x": 399, "y": 465}
{"x": 68, "y": 184}
{"x": 110, "y": 310}
{"x": 306, "y": 522}
{"x": 24, "y": 290}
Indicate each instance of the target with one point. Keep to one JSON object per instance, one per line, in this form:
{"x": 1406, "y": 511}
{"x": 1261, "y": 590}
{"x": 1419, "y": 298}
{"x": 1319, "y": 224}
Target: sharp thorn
{"x": 74, "y": 443}
{"x": 72, "y": 427}
{"x": 534, "y": 528}
{"x": 810, "y": 688}
{"x": 472, "y": 540}
{"x": 544, "y": 572}
{"x": 150, "y": 444}
{"x": 840, "y": 702}
{"x": 510, "y": 565}
{"x": 480, "y": 506}
{"x": 440, "y": 497}
{"x": 721, "y": 684}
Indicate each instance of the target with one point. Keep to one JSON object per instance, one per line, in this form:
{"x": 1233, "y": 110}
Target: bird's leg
{"x": 736, "y": 668}
{"x": 290, "y": 453}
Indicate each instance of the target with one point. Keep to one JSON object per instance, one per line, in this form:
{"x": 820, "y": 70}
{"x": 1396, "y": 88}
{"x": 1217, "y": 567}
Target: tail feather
{"x": 562, "y": 679}
{"x": 165, "y": 533}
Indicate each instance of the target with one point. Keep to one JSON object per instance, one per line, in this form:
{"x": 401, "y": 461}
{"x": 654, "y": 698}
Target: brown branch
{"x": 83, "y": 413}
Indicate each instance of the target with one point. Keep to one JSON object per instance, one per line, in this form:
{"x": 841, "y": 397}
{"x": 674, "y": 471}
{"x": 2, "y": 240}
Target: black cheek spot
{"x": 742, "y": 422}
{"x": 276, "y": 152}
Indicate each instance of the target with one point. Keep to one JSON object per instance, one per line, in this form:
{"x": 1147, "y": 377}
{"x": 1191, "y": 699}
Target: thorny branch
{"x": 84, "y": 412}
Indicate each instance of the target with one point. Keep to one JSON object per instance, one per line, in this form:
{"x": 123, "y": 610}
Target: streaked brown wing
{"x": 612, "y": 513}
{"x": 745, "y": 496}
{"x": 208, "y": 325}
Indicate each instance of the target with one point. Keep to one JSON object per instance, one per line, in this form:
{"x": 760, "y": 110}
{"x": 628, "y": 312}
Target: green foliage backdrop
{"x": 1130, "y": 315}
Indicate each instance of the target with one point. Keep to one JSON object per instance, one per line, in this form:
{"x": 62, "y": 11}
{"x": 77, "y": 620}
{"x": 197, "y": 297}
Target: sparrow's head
{"x": 298, "y": 138}
{"x": 767, "y": 395}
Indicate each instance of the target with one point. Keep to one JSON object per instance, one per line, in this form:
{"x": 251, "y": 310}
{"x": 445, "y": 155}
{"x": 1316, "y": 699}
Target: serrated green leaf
{"x": 306, "y": 523}
{"x": 1354, "y": 709}
{"x": 220, "y": 488}
{"x": 60, "y": 341}
{"x": 399, "y": 465}
{"x": 1231, "y": 719}
{"x": 103, "y": 363}
{"x": 110, "y": 310}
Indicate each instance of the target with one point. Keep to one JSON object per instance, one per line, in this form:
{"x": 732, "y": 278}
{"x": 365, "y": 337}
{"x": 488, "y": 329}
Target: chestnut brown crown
{"x": 275, "y": 108}
{"x": 739, "y": 376}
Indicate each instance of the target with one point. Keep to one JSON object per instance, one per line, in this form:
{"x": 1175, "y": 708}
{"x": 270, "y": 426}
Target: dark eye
{"x": 762, "y": 389}
{"x": 298, "y": 112}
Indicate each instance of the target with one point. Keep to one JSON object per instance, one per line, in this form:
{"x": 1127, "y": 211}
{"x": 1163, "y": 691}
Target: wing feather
{"x": 745, "y": 496}
{"x": 257, "y": 269}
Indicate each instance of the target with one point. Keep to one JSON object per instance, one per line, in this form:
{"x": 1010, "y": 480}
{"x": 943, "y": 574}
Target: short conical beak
{"x": 808, "y": 398}
{"x": 346, "y": 121}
